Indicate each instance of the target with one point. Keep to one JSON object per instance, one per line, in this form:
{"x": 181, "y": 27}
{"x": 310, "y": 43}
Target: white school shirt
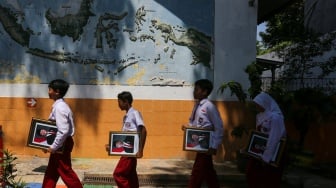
{"x": 62, "y": 115}
{"x": 275, "y": 129}
{"x": 270, "y": 122}
{"x": 132, "y": 120}
{"x": 206, "y": 115}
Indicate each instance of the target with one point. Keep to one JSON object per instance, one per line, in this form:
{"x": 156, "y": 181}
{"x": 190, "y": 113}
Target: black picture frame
{"x": 42, "y": 134}
{"x": 122, "y": 143}
{"x": 196, "y": 139}
{"x": 256, "y": 146}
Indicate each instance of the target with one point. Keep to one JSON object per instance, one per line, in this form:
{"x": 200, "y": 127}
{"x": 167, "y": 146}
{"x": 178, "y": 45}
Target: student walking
{"x": 270, "y": 121}
{"x": 205, "y": 115}
{"x": 60, "y": 162}
{"x": 125, "y": 174}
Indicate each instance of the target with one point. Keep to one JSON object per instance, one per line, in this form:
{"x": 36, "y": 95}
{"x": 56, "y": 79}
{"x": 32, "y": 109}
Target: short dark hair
{"x": 61, "y": 85}
{"x": 126, "y": 96}
{"x": 205, "y": 84}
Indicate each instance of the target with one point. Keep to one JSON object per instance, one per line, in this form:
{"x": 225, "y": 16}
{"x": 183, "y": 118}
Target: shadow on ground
{"x": 41, "y": 169}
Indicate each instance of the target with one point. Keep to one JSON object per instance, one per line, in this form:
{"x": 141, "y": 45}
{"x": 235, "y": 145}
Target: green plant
{"x": 9, "y": 171}
{"x": 235, "y": 88}
{"x": 254, "y": 71}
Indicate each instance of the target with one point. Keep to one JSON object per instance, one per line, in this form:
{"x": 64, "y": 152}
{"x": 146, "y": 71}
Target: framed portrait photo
{"x": 257, "y": 144}
{"x": 124, "y": 143}
{"x": 42, "y": 134}
{"x": 196, "y": 139}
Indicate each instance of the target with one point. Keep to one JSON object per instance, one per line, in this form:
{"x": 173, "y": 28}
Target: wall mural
{"x": 128, "y": 42}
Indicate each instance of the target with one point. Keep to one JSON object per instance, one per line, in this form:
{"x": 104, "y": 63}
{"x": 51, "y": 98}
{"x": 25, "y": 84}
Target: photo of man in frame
{"x": 123, "y": 144}
{"x": 197, "y": 139}
{"x": 44, "y": 135}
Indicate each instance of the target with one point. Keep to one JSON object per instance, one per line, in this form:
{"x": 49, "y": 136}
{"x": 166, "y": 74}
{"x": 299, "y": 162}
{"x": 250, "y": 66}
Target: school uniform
{"x": 125, "y": 174}
{"x": 205, "y": 115}
{"x": 60, "y": 163}
{"x": 270, "y": 122}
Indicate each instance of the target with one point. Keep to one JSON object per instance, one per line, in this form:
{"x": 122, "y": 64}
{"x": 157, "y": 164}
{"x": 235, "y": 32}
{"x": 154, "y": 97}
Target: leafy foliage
{"x": 9, "y": 171}
{"x": 303, "y": 51}
{"x": 285, "y": 28}
{"x": 254, "y": 71}
{"x": 307, "y": 57}
{"x": 235, "y": 88}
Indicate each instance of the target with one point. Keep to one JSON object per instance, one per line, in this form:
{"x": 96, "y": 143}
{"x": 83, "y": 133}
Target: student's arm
{"x": 218, "y": 132}
{"x": 275, "y": 134}
{"x": 143, "y": 134}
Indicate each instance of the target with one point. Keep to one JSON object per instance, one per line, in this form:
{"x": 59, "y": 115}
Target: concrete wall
{"x": 235, "y": 40}
{"x": 319, "y": 15}
{"x": 94, "y": 118}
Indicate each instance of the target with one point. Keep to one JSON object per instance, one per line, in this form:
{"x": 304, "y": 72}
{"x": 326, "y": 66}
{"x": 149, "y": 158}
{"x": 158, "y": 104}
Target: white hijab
{"x": 277, "y": 130}
{"x": 270, "y": 106}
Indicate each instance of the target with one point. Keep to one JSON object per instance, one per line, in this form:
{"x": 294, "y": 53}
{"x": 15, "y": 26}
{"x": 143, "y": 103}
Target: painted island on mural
{"x": 111, "y": 42}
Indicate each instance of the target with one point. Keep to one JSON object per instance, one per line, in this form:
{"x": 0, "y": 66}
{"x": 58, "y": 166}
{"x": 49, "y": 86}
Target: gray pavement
{"x": 157, "y": 173}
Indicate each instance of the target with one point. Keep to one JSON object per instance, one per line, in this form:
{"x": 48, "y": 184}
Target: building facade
{"x": 165, "y": 107}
